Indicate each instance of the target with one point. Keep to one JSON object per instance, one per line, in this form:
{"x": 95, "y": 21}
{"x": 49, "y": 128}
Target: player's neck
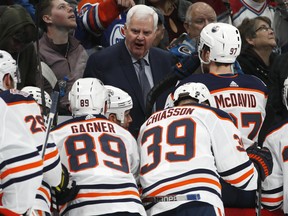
{"x": 221, "y": 69}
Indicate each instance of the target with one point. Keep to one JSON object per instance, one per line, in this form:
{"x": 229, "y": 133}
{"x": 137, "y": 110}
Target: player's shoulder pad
{"x": 277, "y": 126}
{"x": 77, "y": 119}
{"x": 218, "y": 112}
{"x": 16, "y": 96}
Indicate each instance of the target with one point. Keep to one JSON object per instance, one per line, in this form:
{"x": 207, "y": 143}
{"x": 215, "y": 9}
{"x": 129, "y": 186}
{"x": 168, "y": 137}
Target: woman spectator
{"x": 258, "y": 42}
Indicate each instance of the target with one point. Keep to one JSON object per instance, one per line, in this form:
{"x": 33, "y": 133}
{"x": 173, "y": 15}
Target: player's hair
{"x": 142, "y": 12}
{"x": 120, "y": 102}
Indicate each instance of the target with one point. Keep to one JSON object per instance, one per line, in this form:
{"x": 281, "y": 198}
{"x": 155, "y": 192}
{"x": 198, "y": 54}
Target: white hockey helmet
{"x": 35, "y": 92}
{"x": 7, "y": 66}
{"x": 120, "y": 102}
{"x": 223, "y": 40}
{"x": 197, "y": 91}
{"x": 88, "y": 96}
{"x": 169, "y": 101}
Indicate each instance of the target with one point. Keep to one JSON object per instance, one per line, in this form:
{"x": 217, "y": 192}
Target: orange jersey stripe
{"x": 20, "y": 102}
{"x": 22, "y": 168}
{"x": 51, "y": 155}
{"x": 278, "y": 199}
{"x": 186, "y": 182}
{"x": 45, "y": 192}
{"x": 241, "y": 178}
{"x": 107, "y": 194}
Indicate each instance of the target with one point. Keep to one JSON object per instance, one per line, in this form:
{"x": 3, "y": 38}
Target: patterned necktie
{"x": 143, "y": 80}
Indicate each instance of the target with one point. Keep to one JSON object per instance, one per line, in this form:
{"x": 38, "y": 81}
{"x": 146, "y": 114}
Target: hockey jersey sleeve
{"x": 273, "y": 186}
{"x": 96, "y": 15}
{"x": 232, "y": 161}
{"x": 21, "y": 165}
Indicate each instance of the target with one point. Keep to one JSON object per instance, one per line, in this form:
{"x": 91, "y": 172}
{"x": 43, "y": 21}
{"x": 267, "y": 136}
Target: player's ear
{"x": 206, "y": 55}
{"x": 112, "y": 117}
{"x": 8, "y": 82}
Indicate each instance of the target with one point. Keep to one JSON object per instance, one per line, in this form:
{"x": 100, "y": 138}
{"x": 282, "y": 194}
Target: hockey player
{"x": 183, "y": 151}
{"x": 101, "y": 156}
{"x": 31, "y": 113}
{"x": 120, "y": 106}
{"x": 35, "y": 92}
{"x": 275, "y": 188}
{"x": 243, "y": 96}
{"x": 20, "y": 163}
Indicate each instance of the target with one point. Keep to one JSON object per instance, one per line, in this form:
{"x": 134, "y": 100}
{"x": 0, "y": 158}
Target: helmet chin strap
{"x": 202, "y": 62}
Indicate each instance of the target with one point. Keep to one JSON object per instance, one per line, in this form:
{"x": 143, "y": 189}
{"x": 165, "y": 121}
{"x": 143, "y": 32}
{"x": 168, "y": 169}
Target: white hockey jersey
{"x": 242, "y": 9}
{"x": 184, "y": 149}
{"x": 275, "y": 186}
{"x": 103, "y": 159}
{"x": 20, "y": 163}
{"x": 36, "y": 127}
{"x": 243, "y": 96}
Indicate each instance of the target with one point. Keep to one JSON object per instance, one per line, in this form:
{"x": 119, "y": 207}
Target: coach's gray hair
{"x": 142, "y": 12}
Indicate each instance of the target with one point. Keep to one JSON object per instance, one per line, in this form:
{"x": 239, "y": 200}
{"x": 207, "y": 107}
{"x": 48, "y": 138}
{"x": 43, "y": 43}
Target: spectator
{"x": 118, "y": 65}
{"x": 281, "y": 24}
{"x": 21, "y": 164}
{"x": 59, "y": 49}
{"x": 17, "y": 33}
{"x": 120, "y": 106}
{"x": 101, "y": 22}
{"x": 183, "y": 151}
{"x": 222, "y": 9}
{"x": 198, "y": 15}
{"x": 174, "y": 15}
{"x": 243, "y": 96}
{"x": 160, "y": 32}
{"x": 101, "y": 156}
{"x": 28, "y": 6}
{"x": 258, "y": 40}
{"x": 250, "y": 9}
{"x": 277, "y": 77}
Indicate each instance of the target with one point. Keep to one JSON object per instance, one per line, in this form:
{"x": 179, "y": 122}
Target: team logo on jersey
{"x": 215, "y": 29}
{"x": 184, "y": 50}
{"x": 117, "y": 34}
{"x": 233, "y": 84}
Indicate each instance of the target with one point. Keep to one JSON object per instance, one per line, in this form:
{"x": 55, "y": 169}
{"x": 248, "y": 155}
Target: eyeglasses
{"x": 264, "y": 28}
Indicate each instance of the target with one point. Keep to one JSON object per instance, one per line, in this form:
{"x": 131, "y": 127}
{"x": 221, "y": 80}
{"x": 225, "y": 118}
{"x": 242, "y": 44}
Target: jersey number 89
{"x": 89, "y": 152}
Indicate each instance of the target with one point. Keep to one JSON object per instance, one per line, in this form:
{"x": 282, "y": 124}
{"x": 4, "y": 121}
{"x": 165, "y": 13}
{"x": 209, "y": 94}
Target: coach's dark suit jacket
{"x": 114, "y": 66}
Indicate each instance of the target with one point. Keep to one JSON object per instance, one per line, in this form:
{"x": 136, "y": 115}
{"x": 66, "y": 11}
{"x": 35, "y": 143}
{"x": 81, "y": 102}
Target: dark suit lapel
{"x": 130, "y": 74}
